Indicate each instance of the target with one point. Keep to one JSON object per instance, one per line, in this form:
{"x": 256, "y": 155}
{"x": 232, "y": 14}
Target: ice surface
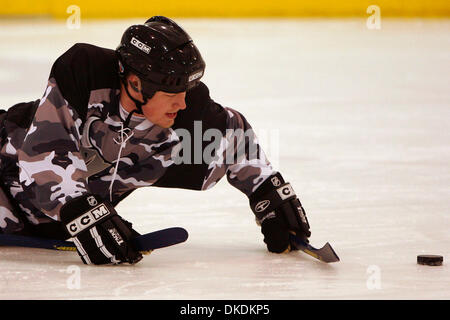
{"x": 360, "y": 120}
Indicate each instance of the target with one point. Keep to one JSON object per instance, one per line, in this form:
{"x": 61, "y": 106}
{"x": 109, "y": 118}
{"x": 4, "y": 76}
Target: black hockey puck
{"x": 430, "y": 260}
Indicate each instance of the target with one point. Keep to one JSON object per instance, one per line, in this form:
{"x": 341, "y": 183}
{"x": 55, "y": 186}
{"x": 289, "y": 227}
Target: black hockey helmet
{"x": 162, "y": 55}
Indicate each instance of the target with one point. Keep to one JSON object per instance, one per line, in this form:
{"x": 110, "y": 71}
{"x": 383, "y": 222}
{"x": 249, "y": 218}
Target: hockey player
{"x": 110, "y": 122}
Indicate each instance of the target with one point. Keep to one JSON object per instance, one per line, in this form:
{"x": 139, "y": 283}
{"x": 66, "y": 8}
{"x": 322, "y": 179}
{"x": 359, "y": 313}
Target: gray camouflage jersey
{"x": 74, "y": 141}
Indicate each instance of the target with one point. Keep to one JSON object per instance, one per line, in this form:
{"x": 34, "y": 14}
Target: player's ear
{"x": 134, "y": 82}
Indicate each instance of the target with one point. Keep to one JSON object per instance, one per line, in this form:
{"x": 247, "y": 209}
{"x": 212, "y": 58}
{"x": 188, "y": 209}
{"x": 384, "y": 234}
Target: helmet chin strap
{"x": 137, "y": 103}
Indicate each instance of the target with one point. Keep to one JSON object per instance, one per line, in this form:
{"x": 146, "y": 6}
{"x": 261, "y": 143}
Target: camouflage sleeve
{"x": 51, "y": 167}
{"x": 239, "y": 156}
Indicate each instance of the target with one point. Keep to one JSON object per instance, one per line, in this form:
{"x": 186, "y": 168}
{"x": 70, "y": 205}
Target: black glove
{"x": 100, "y": 234}
{"x": 279, "y": 212}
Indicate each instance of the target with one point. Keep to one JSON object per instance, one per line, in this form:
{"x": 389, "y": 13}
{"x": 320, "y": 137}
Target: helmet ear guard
{"x": 123, "y": 72}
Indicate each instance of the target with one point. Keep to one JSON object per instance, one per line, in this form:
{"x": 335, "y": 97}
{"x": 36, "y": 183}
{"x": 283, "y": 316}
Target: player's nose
{"x": 181, "y": 100}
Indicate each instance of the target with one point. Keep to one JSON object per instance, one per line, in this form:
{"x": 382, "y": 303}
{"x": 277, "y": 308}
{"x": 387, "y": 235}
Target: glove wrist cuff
{"x": 273, "y": 199}
{"x": 271, "y": 183}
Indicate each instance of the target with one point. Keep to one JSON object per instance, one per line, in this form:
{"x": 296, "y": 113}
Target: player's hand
{"x": 100, "y": 234}
{"x": 279, "y": 212}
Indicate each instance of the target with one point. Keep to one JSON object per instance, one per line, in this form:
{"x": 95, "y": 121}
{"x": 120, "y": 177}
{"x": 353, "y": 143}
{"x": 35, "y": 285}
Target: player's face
{"x": 162, "y": 108}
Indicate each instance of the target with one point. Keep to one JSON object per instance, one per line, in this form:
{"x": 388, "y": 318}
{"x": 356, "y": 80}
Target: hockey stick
{"x": 154, "y": 240}
{"x": 325, "y": 254}
{"x": 146, "y": 242}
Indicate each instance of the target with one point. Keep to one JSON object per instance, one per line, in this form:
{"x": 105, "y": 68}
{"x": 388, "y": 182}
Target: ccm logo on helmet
{"x": 87, "y": 219}
{"x": 195, "y": 76}
{"x": 141, "y": 46}
{"x": 285, "y": 191}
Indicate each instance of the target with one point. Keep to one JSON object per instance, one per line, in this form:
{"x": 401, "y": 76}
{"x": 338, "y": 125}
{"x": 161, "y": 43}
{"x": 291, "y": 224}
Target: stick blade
{"x": 325, "y": 254}
{"x": 328, "y": 254}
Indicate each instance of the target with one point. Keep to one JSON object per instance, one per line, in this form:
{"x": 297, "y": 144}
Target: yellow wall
{"x": 223, "y": 8}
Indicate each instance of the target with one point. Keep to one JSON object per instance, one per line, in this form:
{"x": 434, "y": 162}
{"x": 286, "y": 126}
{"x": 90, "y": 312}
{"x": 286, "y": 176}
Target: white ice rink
{"x": 360, "y": 124}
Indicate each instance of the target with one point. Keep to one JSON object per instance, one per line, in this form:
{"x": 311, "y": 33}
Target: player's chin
{"x": 167, "y": 123}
